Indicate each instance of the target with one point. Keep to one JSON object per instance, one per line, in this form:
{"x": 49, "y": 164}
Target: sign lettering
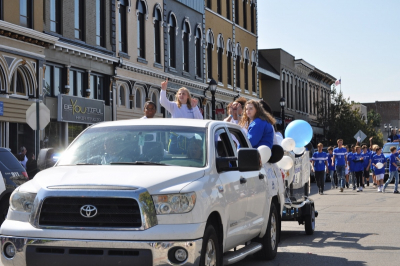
{"x": 80, "y": 110}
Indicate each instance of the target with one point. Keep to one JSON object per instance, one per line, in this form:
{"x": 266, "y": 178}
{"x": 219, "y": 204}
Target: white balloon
{"x": 299, "y": 150}
{"x": 285, "y": 163}
{"x": 279, "y": 139}
{"x": 379, "y": 165}
{"x": 265, "y": 153}
{"x": 288, "y": 144}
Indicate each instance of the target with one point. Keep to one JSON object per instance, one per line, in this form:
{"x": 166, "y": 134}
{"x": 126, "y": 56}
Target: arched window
{"x": 121, "y": 96}
{"x": 21, "y": 82}
{"x": 220, "y": 45}
{"x": 246, "y": 69}
{"x": 185, "y": 51}
{"x": 210, "y": 46}
{"x": 157, "y": 34}
{"x": 172, "y": 40}
{"x": 198, "y": 47}
{"x": 229, "y": 60}
{"x": 138, "y": 99}
{"x": 245, "y": 14}
{"x": 252, "y": 17}
{"x": 253, "y": 71}
{"x": 238, "y": 59}
{"x": 141, "y": 40}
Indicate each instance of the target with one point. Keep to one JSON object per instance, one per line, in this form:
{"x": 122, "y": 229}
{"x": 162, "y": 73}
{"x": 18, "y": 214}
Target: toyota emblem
{"x": 88, "y": 211}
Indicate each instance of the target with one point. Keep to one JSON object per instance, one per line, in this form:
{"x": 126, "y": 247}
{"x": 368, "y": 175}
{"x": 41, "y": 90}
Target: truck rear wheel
{"x": 210, "y": 251}
{"x": 309, "y": 221}
{"x": 270, "y": 240}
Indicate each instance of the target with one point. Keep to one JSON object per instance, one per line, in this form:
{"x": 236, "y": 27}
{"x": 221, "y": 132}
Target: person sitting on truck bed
{"x": 150, "y": 110}
{"x": 258, "y": 124}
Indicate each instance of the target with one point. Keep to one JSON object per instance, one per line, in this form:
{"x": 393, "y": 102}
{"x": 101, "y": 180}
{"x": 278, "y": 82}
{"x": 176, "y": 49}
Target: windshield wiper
{"x": 138, "y": 163}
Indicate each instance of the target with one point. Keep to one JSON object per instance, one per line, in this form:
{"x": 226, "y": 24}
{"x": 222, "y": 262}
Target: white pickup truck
{"x": 148, "y": 192}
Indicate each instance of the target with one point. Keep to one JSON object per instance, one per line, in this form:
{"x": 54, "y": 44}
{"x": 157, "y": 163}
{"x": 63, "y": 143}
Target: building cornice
{"x": 25, "y": 34}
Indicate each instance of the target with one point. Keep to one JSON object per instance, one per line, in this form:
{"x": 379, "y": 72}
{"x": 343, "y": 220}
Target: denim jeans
{"x": 340, "y": 171}
{"x": 394, "y": 174}
{"x": 352, "y": 178}
{"x": 332, "y": 174}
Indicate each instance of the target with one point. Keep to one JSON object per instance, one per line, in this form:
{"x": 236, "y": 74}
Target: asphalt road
{"x": 351, "y": 229}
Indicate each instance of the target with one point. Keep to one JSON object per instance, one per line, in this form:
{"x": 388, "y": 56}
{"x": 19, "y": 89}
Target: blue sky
{"x": 357, "y": 41}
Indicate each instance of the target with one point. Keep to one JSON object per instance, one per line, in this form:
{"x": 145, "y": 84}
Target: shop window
{"x": 100, "y": 22}
{"x": 157, "y": 35}
{"x": 198, "y": 56}
{"x": 53, "y": 80}
{"x": 172, "y": 41}
{"x": 79, "y": 11}
{"x": 122, "y": 29}
{"x": 141, "y": 39}
{"x": 138, "y": 99}
{"x": 26, "y": 13}
{"x": 55, "y": 16}
{"x": 185, "y": 51}
{"x": 77, "y": 83}
{"x": 121, "y": 98}
{"x": 74, "y": 130}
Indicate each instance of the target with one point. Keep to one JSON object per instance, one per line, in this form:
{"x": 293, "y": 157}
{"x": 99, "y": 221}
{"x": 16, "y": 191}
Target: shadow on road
{"x": 344, "y": 240}
{"x": 300, "y": 259}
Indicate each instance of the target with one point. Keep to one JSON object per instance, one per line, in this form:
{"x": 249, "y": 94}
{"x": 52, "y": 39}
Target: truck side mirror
{"x": 249, "y": 160}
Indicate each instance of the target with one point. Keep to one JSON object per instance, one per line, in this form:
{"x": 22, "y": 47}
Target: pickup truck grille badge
{"x": 90, "y": 212}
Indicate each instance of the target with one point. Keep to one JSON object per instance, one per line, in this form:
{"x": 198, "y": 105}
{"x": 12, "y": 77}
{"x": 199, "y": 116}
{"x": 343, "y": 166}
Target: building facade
{"x": 305, "y": 88}
{"x": 231, "y": 49}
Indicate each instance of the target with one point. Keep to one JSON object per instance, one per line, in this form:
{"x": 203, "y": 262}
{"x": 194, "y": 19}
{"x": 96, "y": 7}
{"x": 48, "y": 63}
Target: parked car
{"x": 185, "y": 196}
{"x": 12, "y": 175}
{"x": 386, "y": 152}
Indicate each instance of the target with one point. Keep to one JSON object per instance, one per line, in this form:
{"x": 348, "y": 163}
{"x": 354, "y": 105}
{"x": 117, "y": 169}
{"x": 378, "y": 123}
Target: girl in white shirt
{"x": 183, "y": 106}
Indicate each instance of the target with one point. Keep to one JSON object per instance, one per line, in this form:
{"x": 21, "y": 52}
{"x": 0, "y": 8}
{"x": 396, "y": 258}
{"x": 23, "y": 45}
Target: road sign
{"x": 44, "y": 116}
{"x": 360, "y": 136}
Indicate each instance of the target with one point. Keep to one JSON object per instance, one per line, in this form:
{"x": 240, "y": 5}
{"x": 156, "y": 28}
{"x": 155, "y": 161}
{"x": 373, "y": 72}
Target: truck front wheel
{"x": 309, "y": 221}
{"x": 210, "y": 251}
{"x": 270, "y": 240}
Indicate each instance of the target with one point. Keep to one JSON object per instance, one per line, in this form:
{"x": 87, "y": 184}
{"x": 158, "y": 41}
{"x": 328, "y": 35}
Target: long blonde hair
{"x": 189, "y": 99}
{"x": 260, "y": 113}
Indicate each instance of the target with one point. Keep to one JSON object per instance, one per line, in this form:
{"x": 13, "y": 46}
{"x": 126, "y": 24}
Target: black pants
{"x": 359, "y": 176}
{"x": 366, "y": 175}
{"x": 320, "y": 178}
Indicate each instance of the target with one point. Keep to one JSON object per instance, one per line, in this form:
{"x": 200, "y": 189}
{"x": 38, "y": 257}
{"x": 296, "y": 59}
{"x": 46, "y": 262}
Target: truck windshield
{"x": 138, "y": 145}
{"x": 386, "y": 148}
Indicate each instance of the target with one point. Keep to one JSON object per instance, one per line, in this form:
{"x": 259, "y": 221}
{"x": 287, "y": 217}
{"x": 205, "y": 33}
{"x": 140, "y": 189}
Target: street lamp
{"x": 282, "y": 102}
{"x": 212, "y": 86}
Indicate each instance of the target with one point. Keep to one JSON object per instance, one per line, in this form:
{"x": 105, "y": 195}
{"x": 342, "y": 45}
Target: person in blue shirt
{"x": 393, "y": 170}
{"x": 331, "y": 168}
{"x": 319, "y": 163}
{"x": 379, "y": 172}
{"x": 339, "y": 161}
{"x": 358, "y": 167}
{"x": 367, "y": 164}
{"x": 258, "y": 124}
{"x": 351, "y": 167}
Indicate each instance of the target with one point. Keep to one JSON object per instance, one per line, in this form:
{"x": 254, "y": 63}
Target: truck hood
{"x": 156, "y": 179}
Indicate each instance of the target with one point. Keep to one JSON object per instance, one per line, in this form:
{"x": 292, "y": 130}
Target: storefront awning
{"x": 14, "y": 110}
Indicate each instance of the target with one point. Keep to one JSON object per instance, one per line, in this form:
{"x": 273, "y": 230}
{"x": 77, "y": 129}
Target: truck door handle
{"x": 243, "y": 180}
{"x": 261, "y": 176}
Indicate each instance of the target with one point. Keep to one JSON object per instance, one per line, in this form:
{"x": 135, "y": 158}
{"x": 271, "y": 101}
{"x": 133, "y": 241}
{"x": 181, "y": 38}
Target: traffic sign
{"x": 360, "y": 136}
{"x": 44, "y": 116}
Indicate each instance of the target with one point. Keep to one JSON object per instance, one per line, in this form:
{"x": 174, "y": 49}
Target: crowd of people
{"x": 354, "y": 163}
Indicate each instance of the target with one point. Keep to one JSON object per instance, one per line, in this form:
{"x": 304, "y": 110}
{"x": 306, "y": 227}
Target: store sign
{"x": 80, "y": 110}
{"x": 1, "y": 108}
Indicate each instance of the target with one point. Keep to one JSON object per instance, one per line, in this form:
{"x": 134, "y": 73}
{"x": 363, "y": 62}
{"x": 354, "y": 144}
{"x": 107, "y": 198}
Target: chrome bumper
{"x": 159, "y": 250}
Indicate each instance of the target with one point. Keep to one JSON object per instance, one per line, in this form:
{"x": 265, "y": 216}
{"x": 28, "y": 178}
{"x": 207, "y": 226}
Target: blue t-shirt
{"x": 340, "y": 153}
{"x": 393, "y": 157}
{"x": 319, "y": 159}
{"x": 260, "y": 132}
{"x": 367, "y": 157}
{"x": 330, "y": 167}
{"x": 358, "y": 164}
{"x": 351, "y": 162}
{"x": 379, "y": 159}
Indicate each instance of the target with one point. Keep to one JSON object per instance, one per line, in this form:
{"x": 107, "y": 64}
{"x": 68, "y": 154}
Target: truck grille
{"x": 109, "y": 212}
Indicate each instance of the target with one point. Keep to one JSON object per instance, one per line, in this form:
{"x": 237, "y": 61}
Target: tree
{"x": 341, "y": 121}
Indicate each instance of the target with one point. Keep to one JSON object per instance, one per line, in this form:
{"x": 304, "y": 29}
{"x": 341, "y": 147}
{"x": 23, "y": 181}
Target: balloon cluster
{"x": 297, "y": 135}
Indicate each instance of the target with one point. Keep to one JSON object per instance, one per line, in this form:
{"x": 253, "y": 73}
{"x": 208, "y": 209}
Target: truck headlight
{"x": 174, "y": 203}
{"x": 22, "y": 201}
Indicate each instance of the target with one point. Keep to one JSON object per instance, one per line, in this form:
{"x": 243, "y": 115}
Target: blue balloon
{"x": 300, "y": 131}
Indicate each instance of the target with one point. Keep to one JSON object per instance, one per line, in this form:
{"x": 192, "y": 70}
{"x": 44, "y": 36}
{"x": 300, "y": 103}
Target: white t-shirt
{"x": 176, "y": 112}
